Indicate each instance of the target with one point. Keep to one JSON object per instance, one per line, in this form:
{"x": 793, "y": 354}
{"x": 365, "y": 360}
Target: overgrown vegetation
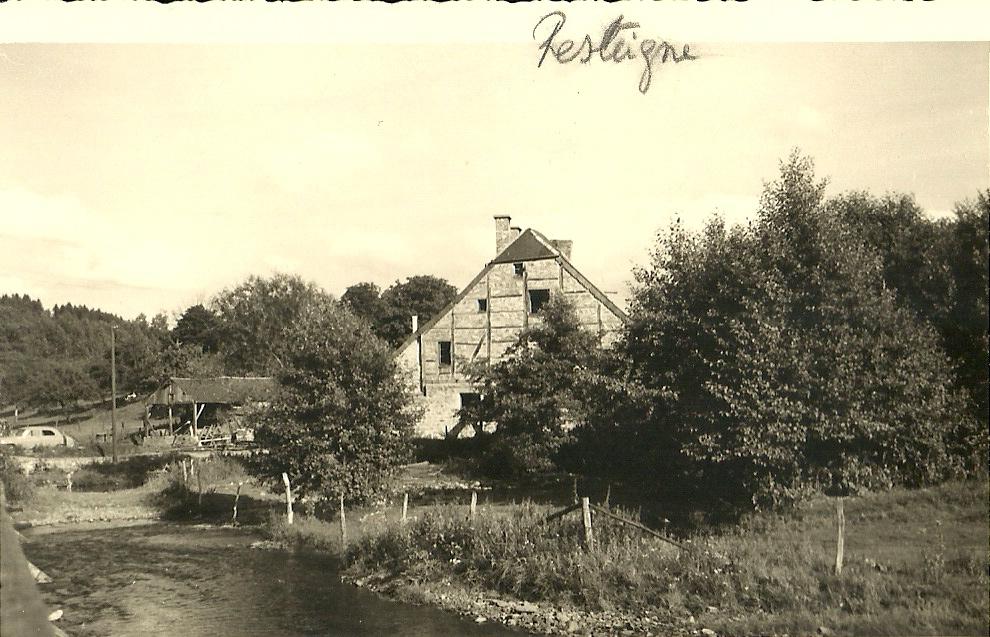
{"x": 804, "y": 352}
{"x": 17, "y": 486}
{"x": 342, "y": 420}
{"x": 536, "y": 394}
{"x": 389, "y": 312}
{"x": 913, "y": 562}
{"x": 128, "y": 473}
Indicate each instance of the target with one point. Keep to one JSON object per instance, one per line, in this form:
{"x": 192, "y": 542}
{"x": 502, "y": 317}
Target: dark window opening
{"x": 537, "y": 299}
{"x": 482, "y": 305}
{"x": 444, "y": 353}
{"x": 518, "y": 268}
{"x": 47, "y": 432}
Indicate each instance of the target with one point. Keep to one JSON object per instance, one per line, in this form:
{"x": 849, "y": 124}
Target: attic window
{"x": 518, "y": 268}
{"x": 444, "y": 353}
{"x": 537, "y": 299}
{"x": 482, "y": 305}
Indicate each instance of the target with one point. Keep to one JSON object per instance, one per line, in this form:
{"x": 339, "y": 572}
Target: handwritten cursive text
{"x": 611, "y": 46}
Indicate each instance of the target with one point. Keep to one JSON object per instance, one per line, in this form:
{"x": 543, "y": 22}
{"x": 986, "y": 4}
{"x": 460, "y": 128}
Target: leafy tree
{"x": 342, "y": 420}
{"x": 786, "y": 363}
{"x": 180, "y": 359}
{"x": 938, "y": 269}
{"x": 965, "y": 334}
{"x": 423, "y": 296}
{"x": 159, "y": 324}
{"x": 256, "y": 321}
{"x": 64, "y": 355}
{"x": 536, "y": 393}
{"x": 364, "y": 299}
{"x": 49, "y": 382}
{"x": 198, "y": 326}
{"x": 913, "y": 249}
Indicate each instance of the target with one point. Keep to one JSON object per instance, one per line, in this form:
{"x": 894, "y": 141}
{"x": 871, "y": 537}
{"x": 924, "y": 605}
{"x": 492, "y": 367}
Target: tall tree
{"x": 198, "y": 326}
{"x": 938, "y": 269}
{"x": 423, "y": 296}
{"x": 364, "y": 299}
{"x": 788, "y": 362}
{"x": 536, "y": 393}
{"x": 256, "y": 321}
{"x": 966, "y": 337}
{"x": 342, "y": 420}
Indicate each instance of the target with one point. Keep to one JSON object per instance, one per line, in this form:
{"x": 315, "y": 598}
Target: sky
{"x": 144, "y": 178}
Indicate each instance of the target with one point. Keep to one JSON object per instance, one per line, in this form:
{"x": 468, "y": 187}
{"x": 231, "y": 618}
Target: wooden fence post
{"x": 199, "y": 489}
{"x": 288, "y": 498}
{"x": 68, "y": 482}
{"x": 405, "y": 507}
{"x": 474, "y": 504}
{"x": 589, "y": 538}
{"x": 840, "y": 540}
{"x": 343, "y": 523}
{"x": 237, "y": 496}
{"x": 185, "y": 474}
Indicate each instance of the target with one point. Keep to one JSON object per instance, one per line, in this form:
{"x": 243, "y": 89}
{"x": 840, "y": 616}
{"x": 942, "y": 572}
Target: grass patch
{"x": 208, "y": 492}
{"x": 50, "y": 505}
{"x": 127, "y": 473}
{"x": 916, "y": 563}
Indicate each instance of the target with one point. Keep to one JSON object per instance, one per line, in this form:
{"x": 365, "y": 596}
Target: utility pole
{"x": 113, "y": 390}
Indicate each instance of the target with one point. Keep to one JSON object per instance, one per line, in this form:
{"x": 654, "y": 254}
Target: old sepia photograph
{"x": 493, "y": 320}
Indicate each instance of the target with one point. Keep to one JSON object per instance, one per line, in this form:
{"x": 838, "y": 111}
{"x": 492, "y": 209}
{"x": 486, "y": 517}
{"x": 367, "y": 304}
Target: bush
{"x": 127, "y": 473}
{"x": 769, "y": 575}
{"x": 782, "y": 363}
{"x": 342, "y": 420}
{"x": 17, "y": 485}
{"x": 535, "y": 394}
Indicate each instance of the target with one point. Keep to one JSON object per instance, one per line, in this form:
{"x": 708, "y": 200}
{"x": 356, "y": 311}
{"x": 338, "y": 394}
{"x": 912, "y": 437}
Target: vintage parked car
{"x": 37, "y": 436}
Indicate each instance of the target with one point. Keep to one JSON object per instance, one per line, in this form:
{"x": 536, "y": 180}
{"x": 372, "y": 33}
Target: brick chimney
{"x": 503, "y": 233}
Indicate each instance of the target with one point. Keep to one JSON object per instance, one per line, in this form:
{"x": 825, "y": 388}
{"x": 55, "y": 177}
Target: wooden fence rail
{"x": 586, "y": 521}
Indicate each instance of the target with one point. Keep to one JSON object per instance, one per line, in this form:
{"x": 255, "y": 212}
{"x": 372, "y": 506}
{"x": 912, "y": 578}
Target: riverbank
{"x": 51, "y": 506}
{"x": 916, "y": 562}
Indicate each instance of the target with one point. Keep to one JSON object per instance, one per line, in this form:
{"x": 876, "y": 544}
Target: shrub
{"x": 127, "y": 473}
{"x": 782, "y": 363}
{"x": 342, "y": 421}
{"x": 17, "y": 485}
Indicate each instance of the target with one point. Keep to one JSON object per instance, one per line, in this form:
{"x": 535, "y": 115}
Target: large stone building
{"x": 488, "y": 316}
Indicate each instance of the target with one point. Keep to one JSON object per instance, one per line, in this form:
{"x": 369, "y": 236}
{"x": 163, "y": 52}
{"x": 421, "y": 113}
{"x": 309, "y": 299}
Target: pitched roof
{"x": 226, "y": 390}
{"x": 531, "y": 246}
{"x": 527, "y": 247}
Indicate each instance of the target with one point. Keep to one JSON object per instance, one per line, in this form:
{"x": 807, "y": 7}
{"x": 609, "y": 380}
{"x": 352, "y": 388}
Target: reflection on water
{"x": 180, "y": 580}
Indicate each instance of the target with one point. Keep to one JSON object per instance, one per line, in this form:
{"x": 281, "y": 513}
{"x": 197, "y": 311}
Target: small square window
{"x": 444, "y": 353}
{"x": 482, "y": 305}
{"x": 518, "y": 268}
{"x": 537, "y": 299}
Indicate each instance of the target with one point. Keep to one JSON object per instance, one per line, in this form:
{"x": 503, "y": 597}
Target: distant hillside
{"x": 62, "y": 355}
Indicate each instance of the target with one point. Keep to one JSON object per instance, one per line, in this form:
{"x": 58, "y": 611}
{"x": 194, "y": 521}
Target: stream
{"x": 174, "y": 579}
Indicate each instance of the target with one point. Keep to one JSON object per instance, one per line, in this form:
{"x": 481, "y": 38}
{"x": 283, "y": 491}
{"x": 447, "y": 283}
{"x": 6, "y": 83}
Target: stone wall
{"x": 485, "y": 322}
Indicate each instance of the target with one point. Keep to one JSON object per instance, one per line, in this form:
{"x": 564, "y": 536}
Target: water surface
{"x": 171, "y": 579}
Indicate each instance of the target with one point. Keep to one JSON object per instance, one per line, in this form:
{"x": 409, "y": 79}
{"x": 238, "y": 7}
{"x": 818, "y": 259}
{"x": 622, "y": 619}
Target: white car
{"x": 37, "y": 436}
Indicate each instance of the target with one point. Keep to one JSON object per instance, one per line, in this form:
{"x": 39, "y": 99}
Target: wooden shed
{"x": 222, "y": 391}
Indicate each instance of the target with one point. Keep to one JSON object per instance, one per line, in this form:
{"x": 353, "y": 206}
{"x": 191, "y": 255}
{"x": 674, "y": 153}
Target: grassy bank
{"x": 136, "y": 488}
{"x": 916, "y": 563}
